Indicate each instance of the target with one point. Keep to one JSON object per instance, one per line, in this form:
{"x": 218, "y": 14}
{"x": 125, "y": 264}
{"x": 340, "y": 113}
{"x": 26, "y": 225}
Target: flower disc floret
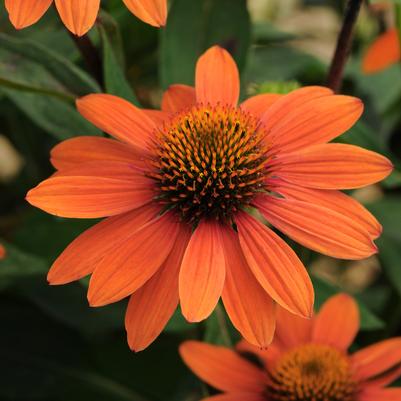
{"x": 210, "y": 161}
{"x": 312, "y": 372}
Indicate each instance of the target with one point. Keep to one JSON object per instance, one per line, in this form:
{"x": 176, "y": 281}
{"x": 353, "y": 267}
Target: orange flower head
{"x": 382, "y": 53}
{"x": 183, "y": 190}
{"x": 80, "y": 15}
{"x": 311, "y": 371}
{"x": 308, "y": 360}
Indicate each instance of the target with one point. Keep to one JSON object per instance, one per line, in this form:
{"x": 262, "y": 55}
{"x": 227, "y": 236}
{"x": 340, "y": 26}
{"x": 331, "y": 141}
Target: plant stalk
{"x": 90, "y": 55}
{"x": 343, "y": 48}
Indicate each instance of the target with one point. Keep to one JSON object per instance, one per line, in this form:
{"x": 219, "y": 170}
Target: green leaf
{"x": 18, "y": 265}
{"x": 55, "y": 116}
{"x": 114, "y": 78}
{"x": 388, "y": 212}
{"x": 324, "y": 290}
{"x": 177, "y": 323}
{"x": 196, "y": 25}
{"x": 390, "y": 257}
{"x": 263, "y": 32}
{"x": 40, "y": 94}
{"x": 282, "y": 63}
{"x": 70, "y": 76}
{"x": 43, "y": 357}
{"x": 218, "y": 328}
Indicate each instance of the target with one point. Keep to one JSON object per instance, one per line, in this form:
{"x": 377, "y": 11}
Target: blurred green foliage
{"x": 53, "y": 346}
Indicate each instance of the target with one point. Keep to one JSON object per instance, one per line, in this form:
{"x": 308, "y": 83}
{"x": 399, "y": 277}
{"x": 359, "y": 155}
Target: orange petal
{"x": 251, "y": 310}
{"x": 380, "y": 394}
{"x": 202, "y": 272}
{"x": 118, "y": 118}
{"x": 384, "y": 379}
{"x": 333, "y": 166}
{"x": 222, "y": 368}
{"x": 267, "y": 356}
{"x": 3, "y": 252}
{"x": 158, "y": 117}
{"x": 178, "y": 97}
{"x": 81, "y": 256}
{"x": 384, "y": 51}
{"x": 292, "y": 101}
{"x": 151, "y": 307}
{"x": 78, "y": 15}
{"x": 340, "y": 236}
{"x": 237, "y": 397}
{"x": 217, "y": 78}
{"x": 83, "y": 149}
{"x": 133, "y": 262}
{"x": 377, "y": 359}
{"x": 259, "y": 104}
{"x": 153, "y": 12}
{"x": 93, "y": 190}
{"x": 316, "y": 121}
{"x": 334, "y": 200}
{"x": 292, "y": 330}
{"x": 276, "y": 266}
{"x": 23, "y": 13}
{"x": 337, "y": 322}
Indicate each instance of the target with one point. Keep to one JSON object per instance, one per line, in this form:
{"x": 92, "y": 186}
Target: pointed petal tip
{"x": 95, "y": 300}
{"x": 192, "y": 318}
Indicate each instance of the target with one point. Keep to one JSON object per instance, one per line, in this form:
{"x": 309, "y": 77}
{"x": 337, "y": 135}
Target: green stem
{"x": 221, "y": 318}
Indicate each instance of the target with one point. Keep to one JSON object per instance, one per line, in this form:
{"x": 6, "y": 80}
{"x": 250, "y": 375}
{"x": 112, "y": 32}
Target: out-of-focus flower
{"x": 3, "y": 252}
{"x": 11, "y": 162}
{"x": 383, "y": 52}
{"x": 80, "y": 15}
{"x": 176, "y": 188}
{"x": 308, "y": 360}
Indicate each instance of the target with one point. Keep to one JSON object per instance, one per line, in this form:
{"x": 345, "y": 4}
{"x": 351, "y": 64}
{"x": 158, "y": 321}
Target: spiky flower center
{"x": 210, "y": 161}
{"x": 312, "y": 372}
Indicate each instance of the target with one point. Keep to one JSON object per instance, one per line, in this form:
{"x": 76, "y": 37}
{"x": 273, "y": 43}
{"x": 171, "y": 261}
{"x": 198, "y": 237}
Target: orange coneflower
{"x": 80, "y": 15}
{"x": 308, "y": 360}
{"x": 384, "y": 51}
{"x": 177, "y": 187}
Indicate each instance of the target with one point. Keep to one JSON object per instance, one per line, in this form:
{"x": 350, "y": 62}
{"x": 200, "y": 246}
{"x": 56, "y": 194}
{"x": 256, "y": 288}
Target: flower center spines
{"x": 209, "y": 161}
{"x": 312, "y": 372}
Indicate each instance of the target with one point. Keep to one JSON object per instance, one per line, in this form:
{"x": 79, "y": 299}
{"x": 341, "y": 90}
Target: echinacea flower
{"x": 308, "y": 360}
{"x": 179, "y": 189}
{"x": 382, "y": 53}
{"x": 80, "y": 15}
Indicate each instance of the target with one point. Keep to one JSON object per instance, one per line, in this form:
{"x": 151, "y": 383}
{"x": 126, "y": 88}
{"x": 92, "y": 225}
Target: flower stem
{"x": 343, "y": 48}
{"x": 221, "y": 318}
{"x": 90, "y": 55}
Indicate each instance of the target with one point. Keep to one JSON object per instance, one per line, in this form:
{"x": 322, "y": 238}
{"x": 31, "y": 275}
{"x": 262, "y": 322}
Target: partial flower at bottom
{"x": 308, "y": 360}
{"x": 184, "y": 190}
